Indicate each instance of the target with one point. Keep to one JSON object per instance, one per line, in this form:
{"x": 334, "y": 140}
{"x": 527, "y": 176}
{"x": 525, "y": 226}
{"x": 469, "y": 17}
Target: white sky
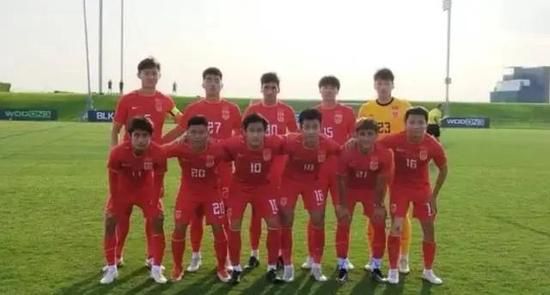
{"x": 42, "y": 44}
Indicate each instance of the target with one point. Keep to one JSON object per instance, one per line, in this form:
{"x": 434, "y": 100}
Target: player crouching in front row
{"x": 133, "y": 166}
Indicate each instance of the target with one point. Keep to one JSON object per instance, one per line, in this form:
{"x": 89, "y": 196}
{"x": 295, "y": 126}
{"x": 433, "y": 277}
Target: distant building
{"x": 523, "y": 85}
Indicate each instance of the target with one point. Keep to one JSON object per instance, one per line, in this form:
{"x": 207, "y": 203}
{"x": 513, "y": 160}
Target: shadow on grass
{"x": 90, "y": 285}
{"x": 519, "y": 225}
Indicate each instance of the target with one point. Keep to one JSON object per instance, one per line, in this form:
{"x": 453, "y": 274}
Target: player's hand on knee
{"x": 342, "y": 214}
{"x": 397, "y": 226}
{"x": 379, "y": 214}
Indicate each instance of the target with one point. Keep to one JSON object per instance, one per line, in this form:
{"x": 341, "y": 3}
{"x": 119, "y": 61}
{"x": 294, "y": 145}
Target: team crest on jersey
{"x": 280, "y": 116}
{"x": 209, "y": 161}
{"x": 267, "y": 155}
{"x": 321, "y": 156}
{"x": 338, "y": 118}
{"x": 158, "y": 105}
{"x": 373, "y": 164}
{"x": 148, "y": 164}
{"x": 423, "y": 155}
{"x": 225, "y": 113}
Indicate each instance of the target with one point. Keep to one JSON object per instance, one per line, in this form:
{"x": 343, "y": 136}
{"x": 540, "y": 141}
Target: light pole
{"x": 100, "y": 82}
{"x": 89, "y": 99}
{"x": 447, "y": 6}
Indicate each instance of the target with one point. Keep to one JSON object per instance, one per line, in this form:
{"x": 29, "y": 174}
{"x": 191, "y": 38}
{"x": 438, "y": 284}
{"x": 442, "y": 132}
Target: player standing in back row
{"x": 389, "y": 112}
{"x": 153, "y": 105}
{"x": 224, "y": 121}
{"x": 338, "y": 124}
{"x": 280, "y": 120}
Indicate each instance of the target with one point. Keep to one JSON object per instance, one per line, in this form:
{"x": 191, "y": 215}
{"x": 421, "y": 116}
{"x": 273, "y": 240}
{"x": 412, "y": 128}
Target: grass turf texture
{"x": 492, "y": 229}
{"x": 70, "y": 107}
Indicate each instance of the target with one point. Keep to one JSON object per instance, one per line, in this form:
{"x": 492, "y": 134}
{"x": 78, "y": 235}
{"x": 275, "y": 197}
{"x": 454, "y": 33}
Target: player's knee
{"x": 110, "y": 225}
{"x": 216, "y": 228}
{"x": 273, "y": 223}
{"x": 158, "y": 223}
{"x": 287, "y": 218}
{"x": 396, "y": 227}
{"x": 181, "y": 228}
{"x": 235, "y": 225}
{"x": 428, "y": 231}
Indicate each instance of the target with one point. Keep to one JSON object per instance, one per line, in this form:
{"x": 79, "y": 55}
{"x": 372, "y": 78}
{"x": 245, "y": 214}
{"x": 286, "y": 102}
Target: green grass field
{"x": 493, "y": 226}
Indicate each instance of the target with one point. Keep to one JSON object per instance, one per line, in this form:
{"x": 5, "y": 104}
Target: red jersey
{"x": 199, "y": 173}
{"x": 280, "y": 117}
{"x": 154, "y": 107}
{"x": 252, "y": 166}
{"x": 363, "y": 169}
{"x": 338, "y": 122}
{"x": 412, "y": 160}
{"x": 223, "y": 117}
{"x": 303, "y": 163}
{"x": 132, "y": 176}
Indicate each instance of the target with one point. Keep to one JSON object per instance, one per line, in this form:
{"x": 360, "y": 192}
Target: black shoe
{"x": 235, "y": 277}
{"x": 253, "y": 262}
{"x": 280, "y": 263}
{"x": 377, "y": 276}
{"x": 342, "y": 275}
{"x": 272, "y": 277}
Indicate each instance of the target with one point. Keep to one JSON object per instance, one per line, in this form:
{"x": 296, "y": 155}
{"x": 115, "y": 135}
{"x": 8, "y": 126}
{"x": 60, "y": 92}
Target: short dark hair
{"x": 310, "y": 114}
{"x": 270, "y": 77}
{"x": 213, "y": 71}
{"x": 197, "y": 120}
{"x": 421, "y": 111}
{"x": 329, "y": 81}
{"x": 140, "y": 123}
{"x": 254, "y": 118}
{"x": 384, "y": 74}
{"x": 367, "y": 124}
{"x": 148, "y": 63}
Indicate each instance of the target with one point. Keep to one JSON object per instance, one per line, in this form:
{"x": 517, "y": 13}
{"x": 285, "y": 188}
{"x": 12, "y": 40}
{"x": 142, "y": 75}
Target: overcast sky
{"x": 43, "y": 44}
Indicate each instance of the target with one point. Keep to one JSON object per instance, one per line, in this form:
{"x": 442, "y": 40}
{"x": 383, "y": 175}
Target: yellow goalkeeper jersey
{"x": 390, "y": 116}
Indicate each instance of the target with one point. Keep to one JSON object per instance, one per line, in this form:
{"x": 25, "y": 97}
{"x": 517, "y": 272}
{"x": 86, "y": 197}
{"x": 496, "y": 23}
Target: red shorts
{"x": 328, "y": 179}
{"x": 277, "y": 170}
{"x": 400, "y": 199}
{"x": 263, "y": 200}
{"x": 208, "y": 204}
{"x": 225, "y": 171}
{"x": 123, "y": 207}
{"x": 364, "y": 197}
{"x": 311, "y": 192}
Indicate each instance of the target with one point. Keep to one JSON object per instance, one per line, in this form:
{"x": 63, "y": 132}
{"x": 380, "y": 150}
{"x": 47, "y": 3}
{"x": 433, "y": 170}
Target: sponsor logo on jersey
{"x": 225, "y": 113}
{"x": 423, "y": 155}
{"x": 338, "y": 118}
{"x": 322, "y": 156}
{"x": 373, "y": 164}
{"x": 267, "y": 155}
{"x": 148, "y": 164}
{"x": 158, "y": 105}
{"x": 209, "y": 161}
{"x": 280, "y": 116}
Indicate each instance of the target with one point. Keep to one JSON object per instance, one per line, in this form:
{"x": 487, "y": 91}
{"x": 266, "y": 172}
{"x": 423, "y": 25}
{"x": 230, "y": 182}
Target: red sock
{"x": 393, "y": 250}
{"x": 342, "y": 240}
{"x": 109, "y": 248}
{"x": 286, "y": 245}
{"x": 220, "y": 247}
{"x": 310, "y": 239}
{"x": 255, "y": 230}
{"x": 273, "y": 245}
{"x": 196, "y": 233}
{"x": 318, "y": 242}
{"x": 235, "y": 247}
{"x": 379, "y": 240}
{"x": 178, "y": 248}
{"x": 122, "y": 228}
{"x": 158, "y": 245}
{"x": 149, "y": 237}
{"x": 428, "y": 249}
